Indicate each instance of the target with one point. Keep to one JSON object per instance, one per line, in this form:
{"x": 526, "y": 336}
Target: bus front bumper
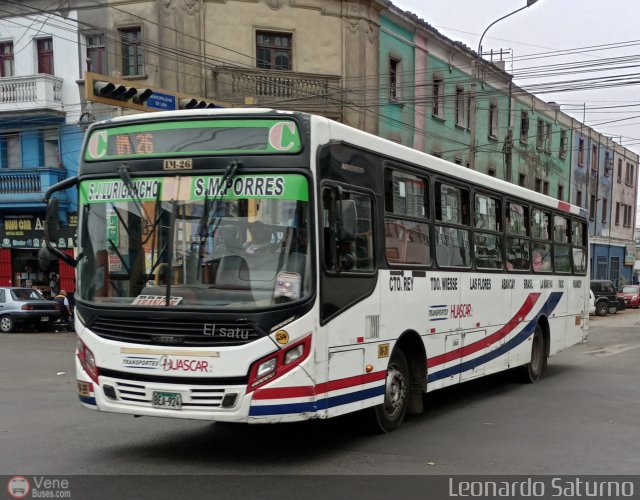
{"x": 199, "y": 402}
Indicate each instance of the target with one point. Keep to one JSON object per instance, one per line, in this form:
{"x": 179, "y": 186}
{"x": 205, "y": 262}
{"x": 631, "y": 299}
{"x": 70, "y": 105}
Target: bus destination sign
{"x": 193, "y": 138}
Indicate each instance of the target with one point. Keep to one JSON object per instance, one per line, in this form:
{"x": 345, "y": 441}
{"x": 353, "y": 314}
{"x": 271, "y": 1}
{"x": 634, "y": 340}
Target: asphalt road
{"x": 582, "y": 418}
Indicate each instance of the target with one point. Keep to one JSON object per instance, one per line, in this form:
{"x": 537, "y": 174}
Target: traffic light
{"x": 110, "y": 90}
{"x": 142, "y": 95}
{"x": 116, "y": 92}
{"x": 193, "y": 103}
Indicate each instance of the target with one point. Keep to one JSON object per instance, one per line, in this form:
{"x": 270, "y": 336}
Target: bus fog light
{"x": 109, "y": 391}
{"x": 229, "y": 400}
{"x": 293, "y": 354}
{"x": 288, "y": 286}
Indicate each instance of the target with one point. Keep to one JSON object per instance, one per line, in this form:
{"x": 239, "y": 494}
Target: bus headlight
{"x": 275, "y": 365}
{"x": 293, "y": 354}
{"x": 266, "y": 367}
{"x": 87, "y": 360}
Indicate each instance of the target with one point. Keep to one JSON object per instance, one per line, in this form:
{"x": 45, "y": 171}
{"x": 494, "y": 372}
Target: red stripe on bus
{"x": 310, "y": 390}
{"x": 491, "y": 339}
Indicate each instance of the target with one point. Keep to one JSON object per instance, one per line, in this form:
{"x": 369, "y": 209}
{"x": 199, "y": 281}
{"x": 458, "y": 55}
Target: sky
{"x": 580, "y": 27}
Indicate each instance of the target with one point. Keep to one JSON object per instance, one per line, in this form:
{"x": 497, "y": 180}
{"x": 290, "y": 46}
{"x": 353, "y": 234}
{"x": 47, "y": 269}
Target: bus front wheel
{"x": 532, "y": 371}
{"x": 389, "y": 415}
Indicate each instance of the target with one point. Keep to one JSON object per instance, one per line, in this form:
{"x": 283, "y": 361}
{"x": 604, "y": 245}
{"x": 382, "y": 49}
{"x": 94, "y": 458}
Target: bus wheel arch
{"x": 413, "y": 348}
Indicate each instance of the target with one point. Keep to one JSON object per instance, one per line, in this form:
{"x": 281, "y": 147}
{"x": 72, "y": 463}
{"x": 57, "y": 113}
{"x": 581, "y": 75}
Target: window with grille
{"x": 132, "y": 54}
{"x": 524, "y": 127}
{"x": 563, "y": 144}
{"x": 540, "y": 134}
{"x": 6, "y": 59}
{"x": 460, "y": 100}
{"x": 438, "y": 97}
{"x": 581, "y": 151}
{"x": 394, "y": 70}
{"x": 273, "y": 50}
{"x": 96, "y": 53}
{"x": 493, "y": 120}
{"x": 45, "y": 55}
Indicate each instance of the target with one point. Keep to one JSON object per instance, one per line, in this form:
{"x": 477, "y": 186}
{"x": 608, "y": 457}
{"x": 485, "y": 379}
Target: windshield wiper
{"x": 123, "y": 172}
{"x": 208, "y": 216}
{"x": 227, "y": 177}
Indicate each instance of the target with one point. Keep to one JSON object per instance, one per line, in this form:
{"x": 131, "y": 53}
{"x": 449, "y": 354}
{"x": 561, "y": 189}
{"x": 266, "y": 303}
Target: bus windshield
{"x": 190, "y": 241}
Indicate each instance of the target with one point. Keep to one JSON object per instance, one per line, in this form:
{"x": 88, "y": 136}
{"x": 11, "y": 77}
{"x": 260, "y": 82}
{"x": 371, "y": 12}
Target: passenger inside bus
{"x": 260, "y": 241}
{"x": 540, "y": 263}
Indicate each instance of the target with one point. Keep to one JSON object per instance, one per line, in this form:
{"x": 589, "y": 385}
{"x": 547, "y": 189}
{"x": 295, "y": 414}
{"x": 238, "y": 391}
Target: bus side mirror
{"x": 348, "y": 221}
{"x": 53, "y": 224}
{"x": 53, "y": 219}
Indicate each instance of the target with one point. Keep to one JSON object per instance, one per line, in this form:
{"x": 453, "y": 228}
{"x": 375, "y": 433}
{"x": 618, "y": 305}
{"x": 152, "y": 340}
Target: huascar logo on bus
{"x": 168, "y": 363}
{"x": 191, "y": 365}
{"x": 454, "y": 311}
{"x": 461, "y": 311}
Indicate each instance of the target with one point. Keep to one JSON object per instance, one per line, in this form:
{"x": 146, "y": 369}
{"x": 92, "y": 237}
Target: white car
{"x": 592, "y": 303}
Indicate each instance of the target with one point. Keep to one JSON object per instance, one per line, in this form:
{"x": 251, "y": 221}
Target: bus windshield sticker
{"x": 191, "y": 138}
{"x": 284, "y": 187}
{"x": 155, "y": 300}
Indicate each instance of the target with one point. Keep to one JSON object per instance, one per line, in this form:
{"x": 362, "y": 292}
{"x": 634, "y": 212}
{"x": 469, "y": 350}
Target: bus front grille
{"x": 174, "y": 332}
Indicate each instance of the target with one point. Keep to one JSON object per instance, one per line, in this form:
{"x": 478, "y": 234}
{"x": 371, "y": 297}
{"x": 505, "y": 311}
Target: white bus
{"x": 258, "y": 266}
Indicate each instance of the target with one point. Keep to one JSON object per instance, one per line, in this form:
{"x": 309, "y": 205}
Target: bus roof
{"x": 365, "y": 140}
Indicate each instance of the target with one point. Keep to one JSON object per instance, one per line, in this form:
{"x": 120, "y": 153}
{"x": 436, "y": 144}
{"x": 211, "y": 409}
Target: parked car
{"x": 631, "y": 295}
{"x": 27, "y": 307}
{"x": 592, "y": 303}
{"x": 606, "y": 297}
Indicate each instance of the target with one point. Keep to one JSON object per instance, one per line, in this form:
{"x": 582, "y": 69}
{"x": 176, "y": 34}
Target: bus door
{"x": 350, "y": 295}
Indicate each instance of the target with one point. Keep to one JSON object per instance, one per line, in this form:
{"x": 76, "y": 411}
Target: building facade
{"x": 39, "y": 138}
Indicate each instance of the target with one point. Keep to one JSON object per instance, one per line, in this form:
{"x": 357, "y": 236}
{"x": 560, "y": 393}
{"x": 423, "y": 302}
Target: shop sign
{"x": 28, "y": 231}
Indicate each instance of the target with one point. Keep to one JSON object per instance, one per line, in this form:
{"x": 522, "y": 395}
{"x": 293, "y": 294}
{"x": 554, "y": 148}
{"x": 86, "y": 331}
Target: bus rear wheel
{"x": 389, "y": 415}
{"x": 532, "y": 371}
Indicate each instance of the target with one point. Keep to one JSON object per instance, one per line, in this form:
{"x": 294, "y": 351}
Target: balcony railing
{"x": 22, "y": 93}
{"x": 280, "y": 89}
{"x": 28, "y": 184}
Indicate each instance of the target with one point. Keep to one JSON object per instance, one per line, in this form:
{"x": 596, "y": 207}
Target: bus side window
{"x": 406, "y": 218}
{"x": 453, "y": 247}
{"x": 351, "y": 256}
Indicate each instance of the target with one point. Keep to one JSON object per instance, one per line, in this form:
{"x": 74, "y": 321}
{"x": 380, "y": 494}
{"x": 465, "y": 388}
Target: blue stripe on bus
{"x": 314, "y": 406}
{"x": 88, "y": 400}
{"x": 546, "y": 310}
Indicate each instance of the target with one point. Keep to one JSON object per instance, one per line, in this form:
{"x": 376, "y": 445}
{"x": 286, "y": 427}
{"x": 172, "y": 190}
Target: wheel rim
{"x": 5, "y": 324}
{"x": 395, "y": 392}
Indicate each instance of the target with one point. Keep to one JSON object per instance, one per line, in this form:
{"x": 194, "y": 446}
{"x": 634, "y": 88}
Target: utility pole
{"x": 474, "y": 86}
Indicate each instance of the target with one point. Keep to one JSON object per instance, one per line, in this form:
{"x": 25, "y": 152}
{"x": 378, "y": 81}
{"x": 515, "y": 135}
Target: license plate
{"x": 170, "y": 400}
{"x": 44, "y": 318}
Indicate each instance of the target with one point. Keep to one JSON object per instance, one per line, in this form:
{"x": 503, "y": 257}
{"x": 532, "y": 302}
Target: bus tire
{"x": 533, "y": 370}
{"x": 389, "y": 415}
